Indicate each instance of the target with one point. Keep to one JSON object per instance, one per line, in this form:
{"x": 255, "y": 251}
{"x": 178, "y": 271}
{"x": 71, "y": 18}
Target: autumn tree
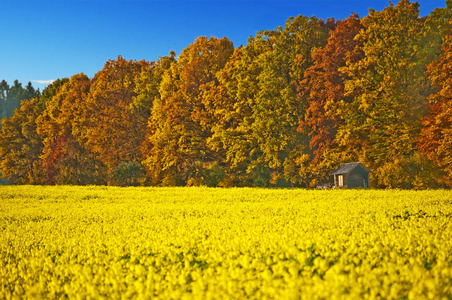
{"x": 278, "y": 110}
{"x": 261, "y": 110}
{"x": 323, "y": 85}
{"x": 383, "y": 120}
{"x": 435, "y": 27}
{"x": 232, "y": 136}
{"x": 64, "y": 158}
{"x": 50, "y": 91}
{"x": 20, "y": 145}
{"x": 108, "y": 118}
{"x": 436, "y": 135}
{"x": 147, "y": 88}
{"x": 147, "y": 91}
{"x": 181, "y": 119}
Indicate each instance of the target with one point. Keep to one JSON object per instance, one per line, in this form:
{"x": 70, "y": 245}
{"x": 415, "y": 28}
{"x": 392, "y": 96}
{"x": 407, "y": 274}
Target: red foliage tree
{"x": 436, "y": 135}
{"x": 324, "y": 86}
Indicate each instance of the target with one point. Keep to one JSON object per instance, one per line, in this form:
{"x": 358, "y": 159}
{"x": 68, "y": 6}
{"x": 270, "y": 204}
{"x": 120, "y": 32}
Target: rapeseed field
{"x": 203, "y": 243}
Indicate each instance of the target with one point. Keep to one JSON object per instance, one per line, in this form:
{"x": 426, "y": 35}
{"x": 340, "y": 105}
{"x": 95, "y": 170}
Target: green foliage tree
{"x": 4, "y": 88}
{"x": 11, "y": 96}
{"x": 16, "y": 94}
{"x": 261, "y": 110}
{"x": 383, "y": 120}
{"x": 232, "y": 136}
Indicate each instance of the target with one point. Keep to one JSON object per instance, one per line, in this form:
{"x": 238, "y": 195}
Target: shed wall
{"x": 358, "y": 178}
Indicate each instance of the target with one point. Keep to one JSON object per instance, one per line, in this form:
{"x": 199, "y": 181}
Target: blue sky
{"x": 42, "y": 40}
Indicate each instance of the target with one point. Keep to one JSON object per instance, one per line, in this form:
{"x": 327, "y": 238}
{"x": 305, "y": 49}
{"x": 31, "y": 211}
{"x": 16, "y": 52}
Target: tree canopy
{"x": 284, "y": 110}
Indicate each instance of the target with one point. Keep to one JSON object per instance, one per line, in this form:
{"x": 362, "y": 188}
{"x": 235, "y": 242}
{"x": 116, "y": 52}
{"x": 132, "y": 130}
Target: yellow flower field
{"x": 203, "y": 243}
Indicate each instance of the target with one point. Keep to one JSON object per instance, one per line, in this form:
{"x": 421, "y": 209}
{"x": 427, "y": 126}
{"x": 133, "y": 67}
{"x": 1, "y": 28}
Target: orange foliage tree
{"x": 108, "y": 117}
{"x": 65, "y": 160}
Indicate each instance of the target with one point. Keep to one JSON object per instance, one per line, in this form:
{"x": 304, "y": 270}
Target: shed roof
{"x": 347, "y": 168}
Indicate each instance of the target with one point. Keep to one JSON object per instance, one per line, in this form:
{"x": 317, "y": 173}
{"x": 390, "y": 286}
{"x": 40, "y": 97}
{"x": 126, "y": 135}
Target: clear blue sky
{"x": 42, "y": 40}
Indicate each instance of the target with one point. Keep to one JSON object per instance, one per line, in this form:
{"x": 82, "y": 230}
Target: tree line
{"x": 284, "y": 110}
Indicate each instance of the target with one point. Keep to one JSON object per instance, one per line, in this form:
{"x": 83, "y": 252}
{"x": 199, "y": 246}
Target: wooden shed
{"x": 351, "y": 175}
